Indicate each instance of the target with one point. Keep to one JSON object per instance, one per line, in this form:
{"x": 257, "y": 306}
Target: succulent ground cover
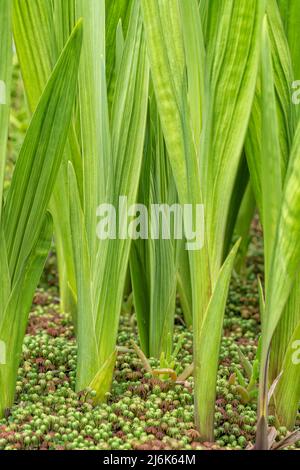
{"x": 186, "y": 341}
{"x": 142, "y": 412}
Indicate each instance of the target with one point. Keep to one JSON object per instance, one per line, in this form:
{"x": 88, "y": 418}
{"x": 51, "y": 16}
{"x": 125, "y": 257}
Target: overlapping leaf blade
{"x": 233, "y": 51}
{"x": 287, "y": 393}
{"x": 5, "y": 80}
{"x": 26, "y": 229}
{"x": 39, "y": 160}
{"x": 129, "y": 114}
{"x": 153, "y": 261}
{"x": 209, "y": 341}
{"x": 290, "y": 14}
{"x": 14, "y": 317}
{"x": 116, "y": 13}
{"x": 112, "y": 149}
{"x": 40, "y": 33}
{"x": 226, "y": 110}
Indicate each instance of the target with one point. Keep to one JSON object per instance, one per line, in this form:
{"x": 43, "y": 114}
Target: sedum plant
{"x": 25, "y": 225}
{"x": 246, "y": 385}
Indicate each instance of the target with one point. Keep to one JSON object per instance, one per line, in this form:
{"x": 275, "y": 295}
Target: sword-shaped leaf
{"x": 40, "y": 158}
{"x": 287, "y": 393}
{"x": 5, "y": 79}
{"x": 13, "y": 320}
{"x": 26, "y": 230}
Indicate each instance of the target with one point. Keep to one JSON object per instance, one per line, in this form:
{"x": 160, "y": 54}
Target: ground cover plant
{"x": 185, "y": 339}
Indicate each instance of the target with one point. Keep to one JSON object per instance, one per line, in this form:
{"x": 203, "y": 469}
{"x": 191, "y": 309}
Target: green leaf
{"x": 92, "y": 92}
{"x": 5, "y": 80}
{"x": 13, "y": 320}
{"x": 232, "y": 58}
{"x": 103, "y": 380}
{"x": 128, "y": 122}
{"x": 209, "y": 349}
{"x": 162, "y": 22}
{"x": 285, "y": 329}
{"x": 244, "y": 394}
{"x": 290, "y": 13}
{"x": 240, "y": 378}
{"x": 33, "y": 35}
{"x": 283, "y": 77}
{"x": 283, "y": 271}
{"x": 86, "y": 332}
{"x": 157, "y": 274}
{"x": 246, "y": 364}
{"x": 41, "y": 29}
{"x": 271, "y": 157}
{"x": 287, "y": 393}
{"x": 101, "y": 265}
{"x": 26, "y": 229}
{"x": 184, "y": 287}
{"x": 40, "y": 158}
{"x": 233, "y": 52}
{"x": 242, "y": 226}
{"x": 162, "y": 27}
{"x": 286, "y": 257}
{"x": 141, "y": 292}
{"x": 195, "y": 62}
{"x": 286, "y": 113}
{"x": 5, "y": 286}
{"x": 117, "y": 13}
{"x": 262, "y": 302}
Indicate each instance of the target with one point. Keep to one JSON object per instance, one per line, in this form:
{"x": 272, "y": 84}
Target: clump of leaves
{"x": 247, "y": 386}
{"x": 25, "y": 225}
{"x": 167, "y": 369}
